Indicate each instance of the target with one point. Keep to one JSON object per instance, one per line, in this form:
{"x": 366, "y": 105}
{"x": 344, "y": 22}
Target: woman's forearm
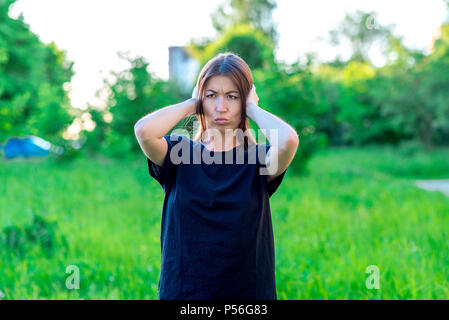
{"x": 158, "y": 123}
{"x": 283, "y": 132}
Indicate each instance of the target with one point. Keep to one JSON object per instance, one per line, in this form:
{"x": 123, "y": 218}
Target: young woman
{"x": 216, "y": 228}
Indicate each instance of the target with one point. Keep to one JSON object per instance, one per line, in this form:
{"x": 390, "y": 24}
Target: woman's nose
{"x": 220, "y": 104}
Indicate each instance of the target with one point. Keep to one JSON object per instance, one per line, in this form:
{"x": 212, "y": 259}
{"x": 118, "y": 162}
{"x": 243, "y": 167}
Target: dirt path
{"x": 434, "y": 185}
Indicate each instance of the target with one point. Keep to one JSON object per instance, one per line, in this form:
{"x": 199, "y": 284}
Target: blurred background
{"x": 363, "y": 210}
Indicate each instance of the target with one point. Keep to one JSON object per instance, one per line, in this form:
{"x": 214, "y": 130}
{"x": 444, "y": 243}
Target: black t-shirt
{"x": 216, "y": 229}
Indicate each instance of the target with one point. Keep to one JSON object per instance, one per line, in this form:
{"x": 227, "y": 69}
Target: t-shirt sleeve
{"x": 165, "y": 175}
{"x": 272, "y": 185}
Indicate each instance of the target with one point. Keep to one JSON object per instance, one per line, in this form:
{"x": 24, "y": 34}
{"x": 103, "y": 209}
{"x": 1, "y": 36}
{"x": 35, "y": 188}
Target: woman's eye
{"x": 212, "y": 94}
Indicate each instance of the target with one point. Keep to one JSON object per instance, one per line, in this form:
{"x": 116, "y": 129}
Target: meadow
{"x": 353, "y": 208}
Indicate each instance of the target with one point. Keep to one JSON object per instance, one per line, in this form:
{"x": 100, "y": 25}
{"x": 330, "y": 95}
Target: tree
{"x": 257, "y": 13}
{"x": 244, "y": 40}
{"x": 411, "y": 90}
{"x": 361, "y": 29}
{"x": 131, "y": 94}
{"x": 33, "y": 76}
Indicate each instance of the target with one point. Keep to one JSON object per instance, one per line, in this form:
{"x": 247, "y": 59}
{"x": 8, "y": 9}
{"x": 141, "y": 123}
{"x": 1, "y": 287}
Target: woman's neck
{"x": 218, "y": 144}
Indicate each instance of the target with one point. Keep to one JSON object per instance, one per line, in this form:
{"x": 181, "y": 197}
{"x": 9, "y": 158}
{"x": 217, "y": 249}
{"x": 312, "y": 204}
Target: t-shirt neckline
{"x": 222, "y": 151}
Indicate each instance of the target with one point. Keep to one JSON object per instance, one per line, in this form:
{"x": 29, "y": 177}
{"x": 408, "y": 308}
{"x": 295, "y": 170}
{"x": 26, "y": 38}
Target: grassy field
{"x": 354, "y": 208}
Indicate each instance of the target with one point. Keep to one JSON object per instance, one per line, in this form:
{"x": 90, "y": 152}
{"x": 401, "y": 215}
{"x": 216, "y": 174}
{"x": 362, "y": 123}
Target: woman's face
{"x": 222, "y": 100}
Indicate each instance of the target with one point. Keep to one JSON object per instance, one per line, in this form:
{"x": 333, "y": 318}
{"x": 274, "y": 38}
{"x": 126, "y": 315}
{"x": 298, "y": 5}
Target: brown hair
{"x": 231, "y": 65}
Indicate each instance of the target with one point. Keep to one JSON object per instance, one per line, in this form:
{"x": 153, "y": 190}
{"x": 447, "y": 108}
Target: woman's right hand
{"x": 252, "y": 96}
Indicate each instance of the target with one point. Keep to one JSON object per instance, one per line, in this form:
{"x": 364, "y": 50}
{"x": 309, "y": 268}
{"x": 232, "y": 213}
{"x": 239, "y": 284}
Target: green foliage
{"x": 117, "y": 145}
{"x": 412, "y": 94}
{"x": 405, "y": 99}
{"x": 361, "y": 30}
{"x": 249, "y": 43}
{"x": 355, "y": 207}
{"x": 64, "y": 151}
{"x": 291, "y": 94}
{"x": 310, "y": 143}
{"x": 44, "y": 234}
{"x": 337, "y": 103}
{"x": 132, "y": 94}
{"x": 13, "y": 239}
{"x": 93, "y": 140}
{"x": 41, "y": 233}
{"x": 257, "y": 13}
{"x": 32, "y": 79}
{"x": 409, "y": 148}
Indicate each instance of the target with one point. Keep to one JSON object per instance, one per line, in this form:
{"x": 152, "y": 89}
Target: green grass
{"x": 354, "y": 208}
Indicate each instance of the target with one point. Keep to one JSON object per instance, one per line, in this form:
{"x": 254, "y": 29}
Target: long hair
{"x": 231, "y": 65}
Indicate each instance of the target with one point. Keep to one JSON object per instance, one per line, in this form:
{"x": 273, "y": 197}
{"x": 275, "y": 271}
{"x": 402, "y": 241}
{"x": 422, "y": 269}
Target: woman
{"x": 216, "y": 231}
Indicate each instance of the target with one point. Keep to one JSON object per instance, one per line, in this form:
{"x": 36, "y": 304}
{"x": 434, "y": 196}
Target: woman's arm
{"x": 158, "y": 123}
{"x": 151, "y": 129}
{"x": 281, "y": 132}
{"x": 282, "y": 137}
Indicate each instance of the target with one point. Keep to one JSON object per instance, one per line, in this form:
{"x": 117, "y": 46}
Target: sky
{"x": 91, "y": 32}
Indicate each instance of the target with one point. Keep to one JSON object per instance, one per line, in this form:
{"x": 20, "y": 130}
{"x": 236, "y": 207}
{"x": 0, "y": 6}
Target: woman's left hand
{"x": 252, "y": 97}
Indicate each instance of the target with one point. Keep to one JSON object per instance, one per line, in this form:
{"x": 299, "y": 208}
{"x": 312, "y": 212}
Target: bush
{"x": 66, "y": 150}
{"x": 308, "y": 145}
{"x": 41, "y": 233}
{"x": 13, "y": 240}
{"x": 410, "y": 147}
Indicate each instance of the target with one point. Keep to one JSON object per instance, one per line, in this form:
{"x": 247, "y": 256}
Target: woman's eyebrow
{"x": 226, "y": 92}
